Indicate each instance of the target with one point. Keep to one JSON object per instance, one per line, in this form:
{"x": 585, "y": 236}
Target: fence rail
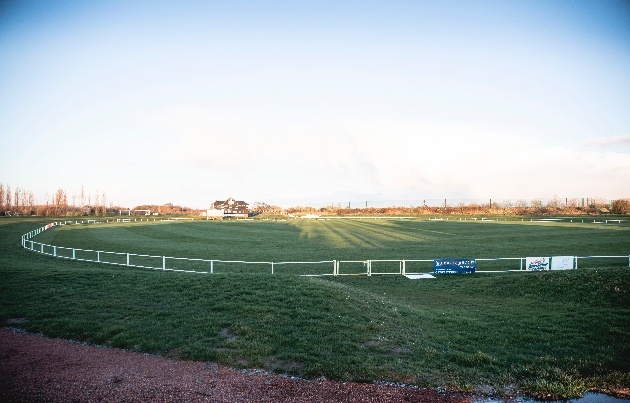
{"x": 366, "y": 267}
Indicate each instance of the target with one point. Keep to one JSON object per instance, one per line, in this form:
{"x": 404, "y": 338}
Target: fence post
{"x": 74, "y": 253}
{"x": 335, "y": 268}
{"x": 54, "y": 251}
{"x": 163, "y": 262}
{"x": 127, "y": 258}
{"x": 98, "y": 256}
{"x": 369, "y": 268}
{"x": 521, "y": 263}
{"x": 41, "y": 247}
{"x": 271, "y": 267}
{"x": 211, "y": 266}
{"x": 404, "y": 268}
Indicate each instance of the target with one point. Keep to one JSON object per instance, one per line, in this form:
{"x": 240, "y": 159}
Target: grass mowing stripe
{"x": 387, "y": 232}
{"x": 437, "y": 232}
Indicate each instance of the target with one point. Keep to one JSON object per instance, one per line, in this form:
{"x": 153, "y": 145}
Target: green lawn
{"x": 319, "y": 240}
{"x": 550, "y": 332}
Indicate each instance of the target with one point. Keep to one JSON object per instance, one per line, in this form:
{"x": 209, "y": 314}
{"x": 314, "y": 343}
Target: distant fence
{"x": 312, "y": 268}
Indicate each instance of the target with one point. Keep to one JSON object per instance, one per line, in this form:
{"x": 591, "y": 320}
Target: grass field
{"x": 317, "y": 240}
{"x": 552, "y": 332}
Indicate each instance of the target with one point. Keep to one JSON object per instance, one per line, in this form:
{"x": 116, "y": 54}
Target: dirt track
{"x": 37, "y": 369}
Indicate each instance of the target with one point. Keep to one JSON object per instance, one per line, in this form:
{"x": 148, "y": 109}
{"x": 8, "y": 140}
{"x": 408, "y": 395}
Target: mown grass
{"x": 558, "y": 333}
{"x": 316, "y": 240}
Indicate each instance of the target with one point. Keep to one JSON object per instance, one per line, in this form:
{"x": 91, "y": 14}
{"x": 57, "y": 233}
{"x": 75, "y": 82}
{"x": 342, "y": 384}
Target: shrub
{"x": 621, "y": 206}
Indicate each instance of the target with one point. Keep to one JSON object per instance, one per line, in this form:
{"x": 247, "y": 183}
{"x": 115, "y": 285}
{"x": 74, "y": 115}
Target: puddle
{"x": 598, "y": 397}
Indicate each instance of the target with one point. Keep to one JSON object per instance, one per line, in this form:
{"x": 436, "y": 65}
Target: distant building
{"x": 229, "y": 208}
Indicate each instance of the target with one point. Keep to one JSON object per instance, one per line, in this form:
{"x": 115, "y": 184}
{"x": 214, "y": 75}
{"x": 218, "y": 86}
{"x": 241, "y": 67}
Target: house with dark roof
{"x": 231, "y": 207}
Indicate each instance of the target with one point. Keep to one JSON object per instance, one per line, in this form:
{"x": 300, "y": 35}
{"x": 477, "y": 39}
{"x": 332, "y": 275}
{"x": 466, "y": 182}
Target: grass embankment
{"x": 554, "y": 332}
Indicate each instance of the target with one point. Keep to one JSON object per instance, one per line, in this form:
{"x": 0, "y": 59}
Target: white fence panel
{"x": 352, "y": 267}
{"x": 321, "y": 268}
{"x": 385, "y": 267}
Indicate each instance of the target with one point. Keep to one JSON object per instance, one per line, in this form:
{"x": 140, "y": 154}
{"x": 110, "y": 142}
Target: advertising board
{"x": 454, "y": 266}
{"x": 562, "y": 263}
{"x": 537, "y": 263}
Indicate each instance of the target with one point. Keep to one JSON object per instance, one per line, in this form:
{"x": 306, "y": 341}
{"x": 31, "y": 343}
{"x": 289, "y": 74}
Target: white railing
{"x": 209, "y": 266}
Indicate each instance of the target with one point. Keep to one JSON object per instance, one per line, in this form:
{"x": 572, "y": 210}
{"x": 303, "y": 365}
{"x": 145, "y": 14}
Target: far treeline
{"x": 19, "y": 201}
{"x": 555, "y": 206}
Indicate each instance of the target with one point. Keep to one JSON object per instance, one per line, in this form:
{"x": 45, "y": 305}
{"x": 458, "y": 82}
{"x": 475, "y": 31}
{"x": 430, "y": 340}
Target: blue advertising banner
{"x": 454, "y": 266}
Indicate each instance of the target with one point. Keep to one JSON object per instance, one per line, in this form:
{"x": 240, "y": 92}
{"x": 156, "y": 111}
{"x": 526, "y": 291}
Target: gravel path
{"x": 37, "y": 369}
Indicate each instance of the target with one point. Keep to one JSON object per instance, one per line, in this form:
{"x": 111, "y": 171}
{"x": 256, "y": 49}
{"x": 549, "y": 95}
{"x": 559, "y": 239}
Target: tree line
{"x": 20, "y": 201}
{"x": 555, "y": 206}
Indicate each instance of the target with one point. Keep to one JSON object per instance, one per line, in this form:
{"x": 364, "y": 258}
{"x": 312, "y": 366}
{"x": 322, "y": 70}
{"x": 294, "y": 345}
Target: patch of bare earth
{"x": 37, "y": 369}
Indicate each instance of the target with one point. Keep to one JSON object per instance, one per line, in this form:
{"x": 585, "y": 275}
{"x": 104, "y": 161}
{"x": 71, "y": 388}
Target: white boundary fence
{"x": 209, "y": 266}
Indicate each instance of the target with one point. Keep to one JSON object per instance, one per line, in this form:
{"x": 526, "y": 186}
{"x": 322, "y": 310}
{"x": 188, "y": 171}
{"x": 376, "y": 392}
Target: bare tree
{"x": 2, "y": 198}
{"x": 621, "y": 206}
{"x": 554, "y": 202}
{"x": 599, "y": 202}
{"x": 16, "y": 199}
{"x": 573, "y": 203}
{"x": 7, "y": 198}
{"x": 24, "y": 201}
{"x": 103, "y": 203}
{"x": 264, "y": 207}
{"x": 74, "y": 201}
{"x": 97, "y": 203}
{"x": 521, "y": 203}
{"x": 30, "y": 197}
{"x": 47, "y": 206}
{"x": 60, "y": 202}
{"x": 82, "y": 196}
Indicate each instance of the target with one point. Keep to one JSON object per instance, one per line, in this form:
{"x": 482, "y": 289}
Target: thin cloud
{"x": 608, "y": 142}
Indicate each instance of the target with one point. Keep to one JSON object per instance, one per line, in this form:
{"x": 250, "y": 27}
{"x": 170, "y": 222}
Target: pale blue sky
{"x": 308, "y": 101}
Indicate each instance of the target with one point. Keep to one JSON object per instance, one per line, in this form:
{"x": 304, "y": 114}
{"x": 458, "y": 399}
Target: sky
{"x": 298, "y": 102}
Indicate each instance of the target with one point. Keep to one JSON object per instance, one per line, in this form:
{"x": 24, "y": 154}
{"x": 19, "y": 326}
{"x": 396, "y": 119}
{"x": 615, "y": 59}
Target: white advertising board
{"x": 562, "y": 263}
{"x": 537, "y": 263}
